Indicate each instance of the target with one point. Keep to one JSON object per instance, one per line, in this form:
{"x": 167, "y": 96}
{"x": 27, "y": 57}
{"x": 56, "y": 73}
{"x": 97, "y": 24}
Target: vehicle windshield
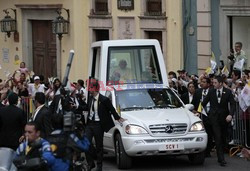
{"x": 138, "y": 64}
{"x": 147, "y": 99}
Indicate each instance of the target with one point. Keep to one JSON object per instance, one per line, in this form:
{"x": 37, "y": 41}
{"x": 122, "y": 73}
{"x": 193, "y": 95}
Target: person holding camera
{"x": 34, "y": 147}
{"x": 65, "y": 144}
{"x": 237, "y": 55}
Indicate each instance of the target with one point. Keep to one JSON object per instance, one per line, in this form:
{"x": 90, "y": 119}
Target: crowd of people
{"x": 211, "y": 96}
{"x": 21, "y": 126}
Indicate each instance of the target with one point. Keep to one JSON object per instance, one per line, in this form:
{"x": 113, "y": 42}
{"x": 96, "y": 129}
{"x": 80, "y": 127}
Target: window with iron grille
{"x": 101, "y": 7}
{"x": 153, "y": 7}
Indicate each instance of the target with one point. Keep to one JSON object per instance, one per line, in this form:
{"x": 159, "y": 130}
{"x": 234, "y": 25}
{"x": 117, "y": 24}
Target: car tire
{"x": 197, "y": 158}
{"x": 123, "y": 161}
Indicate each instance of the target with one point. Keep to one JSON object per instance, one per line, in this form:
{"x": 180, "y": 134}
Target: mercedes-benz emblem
{"x": 169, "y": 129}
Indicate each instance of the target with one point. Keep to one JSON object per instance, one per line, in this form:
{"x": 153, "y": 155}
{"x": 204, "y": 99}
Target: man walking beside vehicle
{"x": 198, "y": 97}
{"x": 219, "y": 114}
{"x": 99, "y": 120}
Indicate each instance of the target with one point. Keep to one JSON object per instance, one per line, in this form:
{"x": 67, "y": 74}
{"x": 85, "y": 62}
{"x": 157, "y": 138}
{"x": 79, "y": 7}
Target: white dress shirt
{"x": 36, "y": 88}
{"x": 36, "y": 112}
{"x": 190, "y": 96}
{"x": 95, "y": 109}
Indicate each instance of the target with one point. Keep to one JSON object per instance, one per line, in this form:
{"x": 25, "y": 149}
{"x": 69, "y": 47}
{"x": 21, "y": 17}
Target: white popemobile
{"x": 133, "y": 76}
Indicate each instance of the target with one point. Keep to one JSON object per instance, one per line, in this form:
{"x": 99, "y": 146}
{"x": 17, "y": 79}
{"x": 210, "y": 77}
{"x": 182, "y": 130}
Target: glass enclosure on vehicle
{"x": 137, "y": 64}
{"x": 147, "y": 99}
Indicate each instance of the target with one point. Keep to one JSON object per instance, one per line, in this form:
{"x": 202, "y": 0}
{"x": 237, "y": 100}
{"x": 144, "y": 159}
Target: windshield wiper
{"x": 171, "y": 106}
{"x": 133, "y": 108}
{"x": 165, "y": 106}
{"x": 149, "y": 107}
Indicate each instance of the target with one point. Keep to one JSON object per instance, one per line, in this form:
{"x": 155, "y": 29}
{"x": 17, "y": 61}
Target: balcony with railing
{"x": 100, "y": 8}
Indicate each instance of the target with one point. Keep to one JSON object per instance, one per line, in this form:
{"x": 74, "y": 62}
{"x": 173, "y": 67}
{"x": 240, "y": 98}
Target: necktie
{"x": 93, "y": 109}
{"x": 219, "y": 95}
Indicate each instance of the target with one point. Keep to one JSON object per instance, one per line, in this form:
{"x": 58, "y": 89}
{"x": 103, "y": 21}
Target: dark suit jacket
{"x": 197, "y": 98}
{"x": 12, "y": 122}
{"x": 54, "y": 104}
{"x": 185, "y": 98}
{"x": 105, "y": 109}
{"x": 43, "y": 119}
{"x": 219, "y": 111}
{"x": 1, "y": 105}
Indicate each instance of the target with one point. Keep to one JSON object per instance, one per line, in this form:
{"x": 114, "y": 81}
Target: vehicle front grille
{"x": 168, "y": 129}
{"x": 170, "y": 140}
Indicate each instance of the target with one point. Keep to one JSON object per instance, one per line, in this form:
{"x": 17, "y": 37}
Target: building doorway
{"x": 101, "y": 35}
{"x": 44, "y": 49}
{"x": 154, "y": 35}
{"x": 241, "y": 33}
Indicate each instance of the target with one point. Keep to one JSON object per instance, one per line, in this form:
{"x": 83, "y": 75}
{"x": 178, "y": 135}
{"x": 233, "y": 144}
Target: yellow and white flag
{"x": 239, "y": 64}
{"x": 213, "y": 62}
{"x": 209, "y": 71}
{"x": 225, "y": 71}
{"x": 118, "y": 109}
{"x": 199, "y": 108}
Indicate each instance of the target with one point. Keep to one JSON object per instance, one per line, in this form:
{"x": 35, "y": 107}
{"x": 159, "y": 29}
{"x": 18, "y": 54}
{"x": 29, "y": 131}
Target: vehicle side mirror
{"x": 189, "y": 107}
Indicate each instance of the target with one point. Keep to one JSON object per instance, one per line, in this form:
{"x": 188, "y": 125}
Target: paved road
{"x": 179, "y": 163}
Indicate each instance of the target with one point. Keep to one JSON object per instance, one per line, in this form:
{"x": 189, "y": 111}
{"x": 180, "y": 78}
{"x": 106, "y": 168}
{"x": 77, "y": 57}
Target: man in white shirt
{"x": 239, "y": 54}
{"x": 80, "y": 90}
{"x": 36, "y": 87}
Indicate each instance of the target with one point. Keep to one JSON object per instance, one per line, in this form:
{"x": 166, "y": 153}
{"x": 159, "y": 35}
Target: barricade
{"x": 27, "y": 105}
{"x": 246, "y": 121}
{"x": 240, "y": 131}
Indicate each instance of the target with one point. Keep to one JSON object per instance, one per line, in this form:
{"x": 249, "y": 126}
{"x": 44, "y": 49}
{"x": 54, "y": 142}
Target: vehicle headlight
{"x": 134, "y": 129}
{"x": 198, "y": 126}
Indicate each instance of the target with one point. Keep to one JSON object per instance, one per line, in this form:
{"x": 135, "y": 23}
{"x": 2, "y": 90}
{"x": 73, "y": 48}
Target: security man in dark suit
{"x": 188, "y": 96}
{"x": 99, "y": 120}
{"x": 42, "y": 115}
{"x": 12, "y": 122}
{"x": 198, "y": 97}
{"x": 219, "y": 114}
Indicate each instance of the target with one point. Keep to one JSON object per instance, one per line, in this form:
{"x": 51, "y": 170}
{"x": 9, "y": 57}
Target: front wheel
{"x": 197, "y": 158}
{"x": 123, "y": 161}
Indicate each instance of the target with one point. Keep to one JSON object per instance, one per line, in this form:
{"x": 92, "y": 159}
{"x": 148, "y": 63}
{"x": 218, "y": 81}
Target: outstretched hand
{"x": 21, "y": 139}
{"x": 121, "y": 120}
{"x": 229, "y": 118}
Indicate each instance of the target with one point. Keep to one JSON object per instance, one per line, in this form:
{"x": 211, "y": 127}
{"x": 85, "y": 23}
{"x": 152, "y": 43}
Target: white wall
{"x": 241, "y": 33}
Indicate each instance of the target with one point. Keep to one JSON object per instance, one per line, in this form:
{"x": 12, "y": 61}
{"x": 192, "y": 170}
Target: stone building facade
{"x": 90, "y": 20}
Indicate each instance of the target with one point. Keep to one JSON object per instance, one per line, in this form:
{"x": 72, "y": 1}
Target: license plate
{"x": 171, "y": 147}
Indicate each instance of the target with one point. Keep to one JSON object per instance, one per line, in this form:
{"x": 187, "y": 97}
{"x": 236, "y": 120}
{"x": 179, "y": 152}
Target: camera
{"x": 69, "y": 121}
{"x": 231, "y": 56}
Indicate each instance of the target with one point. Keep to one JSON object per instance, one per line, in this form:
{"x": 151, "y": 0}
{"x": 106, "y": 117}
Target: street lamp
{"x": 8, "y": 24}
{"x": 60, "y": 26}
